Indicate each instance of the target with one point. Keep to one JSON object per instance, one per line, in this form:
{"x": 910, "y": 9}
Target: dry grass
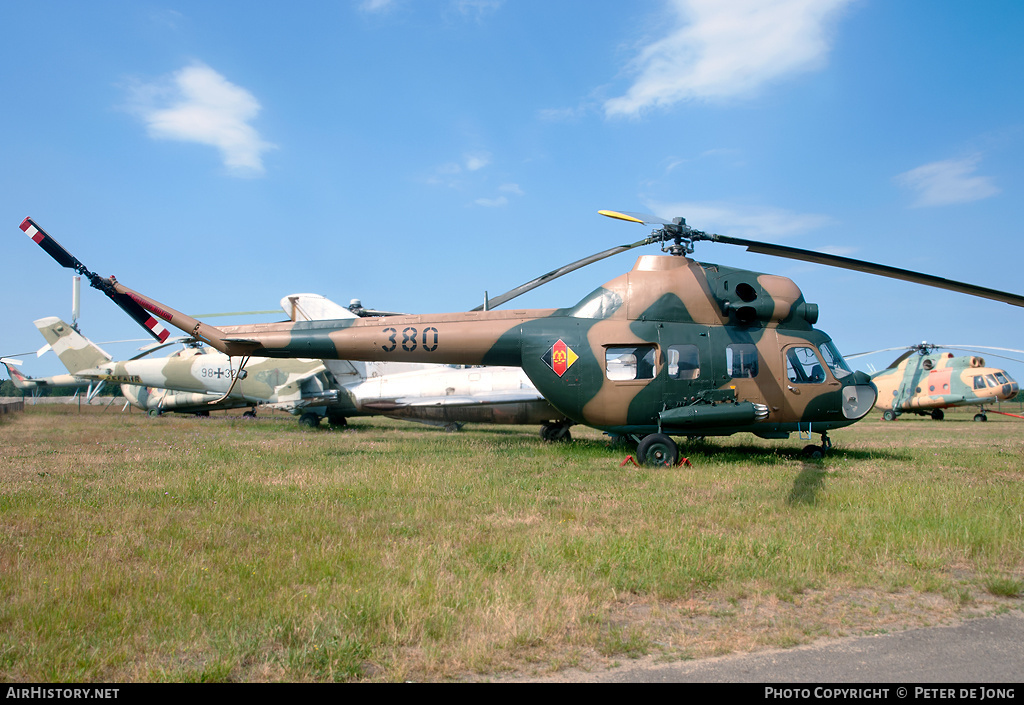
{"x": 222, "y": 549}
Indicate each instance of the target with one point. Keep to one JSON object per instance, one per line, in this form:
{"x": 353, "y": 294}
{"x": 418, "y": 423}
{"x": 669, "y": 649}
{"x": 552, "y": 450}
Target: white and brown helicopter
{"x": 674, "y": 347}
{"x": 924, "y": 381}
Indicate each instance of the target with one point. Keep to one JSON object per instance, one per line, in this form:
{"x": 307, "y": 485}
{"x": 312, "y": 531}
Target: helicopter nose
{"x": 858, "y": 396}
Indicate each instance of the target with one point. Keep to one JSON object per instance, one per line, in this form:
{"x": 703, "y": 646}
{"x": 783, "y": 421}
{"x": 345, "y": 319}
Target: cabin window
{"x": 683, "y": 362}
{"x": 803, "y": 366}
{"x": 741, "y": 360}
{"x": 630, "y": 362}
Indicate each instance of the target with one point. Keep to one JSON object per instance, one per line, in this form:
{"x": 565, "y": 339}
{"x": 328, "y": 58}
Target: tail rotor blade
{"x": 66, "y": 259}
{"x": 52, "y": 247}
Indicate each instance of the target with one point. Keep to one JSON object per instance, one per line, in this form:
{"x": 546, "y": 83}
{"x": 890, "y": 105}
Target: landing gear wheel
{"x": 452, "y": 427}
{"x": 251, "y": 414}
{"x": 556, "y": 432}
{"x": 337, "y": 421}
{"x": 813, "y": 452}
{"x": 202, "y": 414}
{"x": 309, "y": 420}
{"x": 155, "y": 413}
{"x": 657, "y": 450}
{"x": 888, "y": 415}
{"x": 937, "y": 414}
{"x": 980, "y": 417}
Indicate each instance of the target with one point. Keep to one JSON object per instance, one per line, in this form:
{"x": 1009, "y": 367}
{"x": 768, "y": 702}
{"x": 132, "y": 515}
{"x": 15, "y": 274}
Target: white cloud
{"x": 477, "y": 8}
{"x": 947, "y": 182}
{"x": 376, "y": 5}
{"x": 447, "y": 173}
{"x": 754, "y": 223}
{"x": 492, "y": 202}
{"x": 471, "y": 9}
{"x": 724, "y": 50}
{"x": 476, "y": 161}
{"x": 197, "y": 104}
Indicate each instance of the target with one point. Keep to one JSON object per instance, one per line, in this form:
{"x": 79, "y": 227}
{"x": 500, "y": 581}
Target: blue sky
{"x": 415, "y": 153}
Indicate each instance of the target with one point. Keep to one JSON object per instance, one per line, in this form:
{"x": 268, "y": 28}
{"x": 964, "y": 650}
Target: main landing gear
{"x": 556, "y": 431}
{"x": 657, "y": 450}
{"x": 311, "y": 419}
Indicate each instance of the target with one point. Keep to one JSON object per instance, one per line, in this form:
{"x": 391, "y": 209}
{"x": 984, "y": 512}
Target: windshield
{"x": 834, "y": 360}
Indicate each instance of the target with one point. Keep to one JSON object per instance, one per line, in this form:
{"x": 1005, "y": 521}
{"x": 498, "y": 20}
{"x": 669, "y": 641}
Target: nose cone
{"x": 859, "y": 396}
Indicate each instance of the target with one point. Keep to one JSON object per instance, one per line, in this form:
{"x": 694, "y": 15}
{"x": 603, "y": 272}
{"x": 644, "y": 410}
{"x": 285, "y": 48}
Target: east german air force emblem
{"x": 560, "y": 357}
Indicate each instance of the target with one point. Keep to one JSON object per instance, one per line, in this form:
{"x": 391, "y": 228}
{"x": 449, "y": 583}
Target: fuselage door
{"x": 807, "y": 381}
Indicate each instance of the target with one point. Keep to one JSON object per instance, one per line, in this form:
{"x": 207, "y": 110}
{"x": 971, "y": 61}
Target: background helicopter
{"x": 927, "y": 382}
{"x": 674, "y": 347}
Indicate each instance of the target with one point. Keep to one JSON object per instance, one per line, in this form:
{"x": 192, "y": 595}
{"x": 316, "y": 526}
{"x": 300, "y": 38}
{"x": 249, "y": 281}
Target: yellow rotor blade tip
{"x": 621, "y": 216}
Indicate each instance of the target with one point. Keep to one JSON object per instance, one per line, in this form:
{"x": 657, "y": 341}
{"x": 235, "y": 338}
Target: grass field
{"x": 223, "y": 549}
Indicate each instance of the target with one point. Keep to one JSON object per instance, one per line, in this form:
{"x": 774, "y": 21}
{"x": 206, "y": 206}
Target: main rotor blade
{"x": 554, "y": 274}
{"x": 986, "y": 354}
{"x": 66, "y": 259}
{"x": 983, "y": 347}
{"x": 869, "y": 268}
{"x": 235, "y": 313}
{"x": 872, "y": 352}
{"x": 642, "y": 218}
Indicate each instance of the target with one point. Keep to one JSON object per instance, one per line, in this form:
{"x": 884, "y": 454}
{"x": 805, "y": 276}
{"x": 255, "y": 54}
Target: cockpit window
{"x": 834, "y": 360}
{"x": 979, "y": 382}
{"x": 601, "y": 303}
{"x": 741, "y": 360}
{"x": 991, "y": 381}
{"x": 999, "y": 376}
{"x": 803, "y": 366}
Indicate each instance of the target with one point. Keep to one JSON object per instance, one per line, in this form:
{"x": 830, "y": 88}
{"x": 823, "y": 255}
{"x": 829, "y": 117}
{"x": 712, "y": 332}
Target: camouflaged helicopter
{"x": 930, "y": 381}
{"x": 197, "y": 380}
{"x": 674, "y": 347}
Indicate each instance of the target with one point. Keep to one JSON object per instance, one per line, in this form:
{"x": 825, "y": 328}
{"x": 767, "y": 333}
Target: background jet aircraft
{"x": 198, "y": 380}
{"x": 34, "y": 385}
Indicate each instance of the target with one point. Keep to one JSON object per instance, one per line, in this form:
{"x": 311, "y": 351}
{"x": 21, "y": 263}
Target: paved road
{"x": 984, "y": 650}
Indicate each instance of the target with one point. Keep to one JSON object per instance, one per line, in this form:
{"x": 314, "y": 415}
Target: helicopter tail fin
{"x": 74, "y": 350}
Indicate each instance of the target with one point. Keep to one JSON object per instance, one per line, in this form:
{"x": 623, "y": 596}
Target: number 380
{"x": 411, "y": 339}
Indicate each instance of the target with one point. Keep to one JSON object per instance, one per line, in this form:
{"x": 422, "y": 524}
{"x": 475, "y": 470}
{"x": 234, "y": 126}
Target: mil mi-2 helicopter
{"x": 673, "y": 347}
{"x": 930, "y": 381}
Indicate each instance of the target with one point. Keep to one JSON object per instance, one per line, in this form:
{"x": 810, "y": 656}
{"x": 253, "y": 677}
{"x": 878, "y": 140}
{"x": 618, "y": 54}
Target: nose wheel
{"x": 817, "y": 452}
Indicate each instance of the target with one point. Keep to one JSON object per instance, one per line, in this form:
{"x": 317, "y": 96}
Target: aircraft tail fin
{"x": 74, "y": 350}
{"x": 313, "y": 307}
{"x": 20, "y": 381}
